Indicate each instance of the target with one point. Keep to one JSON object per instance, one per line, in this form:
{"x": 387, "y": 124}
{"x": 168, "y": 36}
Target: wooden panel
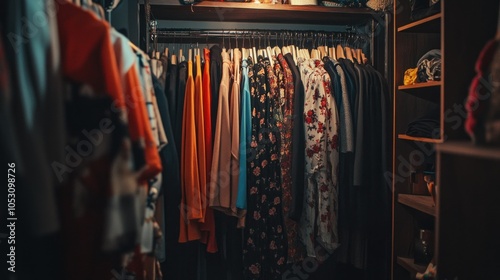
{"x": 468, "y": 223}
{"x": 254, "y": 12}
{"x": 420, "y": 202}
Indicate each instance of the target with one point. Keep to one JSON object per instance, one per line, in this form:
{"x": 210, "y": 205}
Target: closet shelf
{"x": 419, "y": 139}
{"x": 430, "y": 24}
{"x": 467, "y": 148}
{"x": 409, "y": 265}
{"x": 255, "y": 12}
{"x": 421, "y": 203}
{"x": 420, "y": 85}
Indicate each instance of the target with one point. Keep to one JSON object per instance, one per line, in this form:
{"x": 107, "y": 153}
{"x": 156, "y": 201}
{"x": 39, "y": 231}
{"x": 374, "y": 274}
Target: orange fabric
{"x": 201, "y": 192}
{"x": 87, "y": 52}
{"x": 87, "y": 57}
{"x": 208, "y": 227}
{"x": 190, "y": 205}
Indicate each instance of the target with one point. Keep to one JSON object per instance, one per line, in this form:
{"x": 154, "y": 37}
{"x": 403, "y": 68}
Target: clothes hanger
{"x": 340, "y": 50}
{"x": 254, "y": 50}
{"x": 348, "y": 52}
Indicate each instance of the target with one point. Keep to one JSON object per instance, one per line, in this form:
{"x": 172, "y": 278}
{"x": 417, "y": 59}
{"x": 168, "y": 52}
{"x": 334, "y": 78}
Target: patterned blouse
{"x": 318, "y": 224}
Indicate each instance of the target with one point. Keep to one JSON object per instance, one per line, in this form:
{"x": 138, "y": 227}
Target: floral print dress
{"x": 264, "y": 241}
{"x": 284, "y": 117}
{"x": 318, "y": 224}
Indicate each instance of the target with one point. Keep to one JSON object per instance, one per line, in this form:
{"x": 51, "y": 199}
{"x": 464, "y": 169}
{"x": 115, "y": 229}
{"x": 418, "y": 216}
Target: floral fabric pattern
{"x": 296, "y": 249}
{"x": 265, "y": 245}
{"x": 318, "y": 224}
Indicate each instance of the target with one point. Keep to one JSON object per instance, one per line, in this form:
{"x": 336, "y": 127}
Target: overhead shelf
{"x": 421, "y": 203}
{"x": 255, "y": 12}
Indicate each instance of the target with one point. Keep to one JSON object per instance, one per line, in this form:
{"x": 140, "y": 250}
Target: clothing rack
{"x": 241, "y": 37}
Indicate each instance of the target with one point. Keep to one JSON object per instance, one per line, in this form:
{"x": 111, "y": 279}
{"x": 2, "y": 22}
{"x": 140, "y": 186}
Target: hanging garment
{"x": 208, "y": 226}
{"x": 180, "y": 94}
{"x": 234, "y": 115}
{"x": 220, "y": 185}
{"x": 94, "y": 183}
{"x": 319, "y": 220}
{"x": 33, "y": 130}
{"x": 298, "y": 140}
{"x": 215, "y": 81}
{"x": 190, "y": 177}
{"x": 265, "y": 243}
{"x": 245, "y": 138}
{"x": 296, "y": 250}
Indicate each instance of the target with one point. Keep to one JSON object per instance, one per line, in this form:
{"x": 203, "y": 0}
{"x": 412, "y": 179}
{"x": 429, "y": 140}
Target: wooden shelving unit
{"x": 421, "y": 203}
{"x": 466, "y": 186}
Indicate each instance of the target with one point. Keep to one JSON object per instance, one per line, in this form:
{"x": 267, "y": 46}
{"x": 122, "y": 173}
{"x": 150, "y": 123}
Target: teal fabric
{"x": 245, "y": 136}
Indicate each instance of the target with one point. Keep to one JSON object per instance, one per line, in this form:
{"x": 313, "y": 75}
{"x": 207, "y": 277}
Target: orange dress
{"x": 190, "y": 178}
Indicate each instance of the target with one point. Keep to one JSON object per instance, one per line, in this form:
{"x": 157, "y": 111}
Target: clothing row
{"x": 284, "y": 138}
{"x": 87, "y": 131}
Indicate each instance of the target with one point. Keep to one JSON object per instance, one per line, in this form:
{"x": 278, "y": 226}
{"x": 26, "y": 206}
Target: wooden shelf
{"x": 409, "y": 265}
{"x": 255, "y": 12}
{"x": 422, "y": 203}
{"x": 420, "y": 85}
{"x": 431, "y": 24}
{"x": 467, "y": 148}
{"x": 419, "y": 139}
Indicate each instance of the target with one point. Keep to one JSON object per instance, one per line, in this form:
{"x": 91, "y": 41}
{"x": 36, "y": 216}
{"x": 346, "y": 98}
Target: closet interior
{"x": 353, "y": 37}
{"x": 221, "y": 140}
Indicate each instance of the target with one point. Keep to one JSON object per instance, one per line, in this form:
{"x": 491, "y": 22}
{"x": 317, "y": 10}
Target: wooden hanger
{"x": 331, "y": 53}
{"x": 315, "y": 54}
{"x": 348, "y": 53}
{"x": 364, "y": 58}
{"x": 322, "y": 51}
{"x": 340, "y": 52}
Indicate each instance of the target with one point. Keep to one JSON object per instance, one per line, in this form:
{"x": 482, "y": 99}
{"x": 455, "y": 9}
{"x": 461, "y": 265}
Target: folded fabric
{"x": 424, "y": 127}
{"x": 429, "y": 66}
{"x": 410, "y": 76}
